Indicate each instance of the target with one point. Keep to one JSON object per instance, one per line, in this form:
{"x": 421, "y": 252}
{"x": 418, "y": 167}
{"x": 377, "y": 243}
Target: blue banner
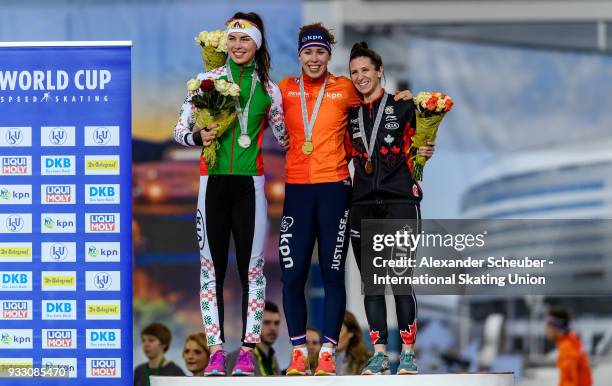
{"x": 65, "y": 214}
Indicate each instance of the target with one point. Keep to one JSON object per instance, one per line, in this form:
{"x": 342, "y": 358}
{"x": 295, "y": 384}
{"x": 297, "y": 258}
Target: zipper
{"x": 235, "y": 124}
{"x": 375, "y": 163}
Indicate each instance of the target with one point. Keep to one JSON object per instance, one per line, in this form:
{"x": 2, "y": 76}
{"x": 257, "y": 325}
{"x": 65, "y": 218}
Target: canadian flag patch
{"x": 415, "y": 190}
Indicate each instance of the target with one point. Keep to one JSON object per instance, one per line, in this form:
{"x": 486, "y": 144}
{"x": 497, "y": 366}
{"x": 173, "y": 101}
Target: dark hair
{"x": 355, "y": 349}
{"x": 271, "y": 307}
{"x": 314, "y": 329}
{"x": 319, "y": 27}
{"x": 160, "y": 331}
{"x": 262, "y": 56}
{"x": 560, "y": 313}
{"x": 361, "y": 49}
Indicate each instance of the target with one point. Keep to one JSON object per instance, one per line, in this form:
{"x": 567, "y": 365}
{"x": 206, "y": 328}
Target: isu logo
{"x": 61, "y": 339}
{"x": 101, "y": 136}
{"x": 102, "y": 280}
{"x": 14, "y": 136}
{"x": 58, "y": 251}
{"x": 103, "y": 368}
{"x": 14, "y": 223}
{"x": 103, "y": 223}
{"x": 57, "y": 136}
{"x": 15, "y": 165}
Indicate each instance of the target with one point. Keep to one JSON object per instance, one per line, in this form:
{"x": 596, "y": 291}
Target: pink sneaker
{"x": 216, "y": 364}
{"x": 244, "y": 364}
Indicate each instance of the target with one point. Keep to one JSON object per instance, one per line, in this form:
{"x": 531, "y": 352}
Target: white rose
{"x": 202, "y": 38}
{"x": 222, "y": 47}
{"x": 234, "y": 90}
{"x": 193, "y": 84}
{"x": 215, "y": 38}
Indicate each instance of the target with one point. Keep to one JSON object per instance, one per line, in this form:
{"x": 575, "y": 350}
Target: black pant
{"x": 375, "y": 306}
{"x": 230, "y": 204}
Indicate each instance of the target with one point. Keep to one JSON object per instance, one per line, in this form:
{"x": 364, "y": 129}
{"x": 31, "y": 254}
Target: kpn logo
{"x": 15, "y": 194}
{"x": 102, "y": 252}
{"x": 16, "y": 339}
{"x": 102, "y": 223}
{"x": 58, "y": 222}
{"x": 103, "y": 367}
{"x": 57, "y": 194}
{"x": 59, "y": 339}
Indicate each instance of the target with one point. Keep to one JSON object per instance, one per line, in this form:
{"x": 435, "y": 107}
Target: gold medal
{"x": 368, "y": 167}
{"x": 307, "y": 148}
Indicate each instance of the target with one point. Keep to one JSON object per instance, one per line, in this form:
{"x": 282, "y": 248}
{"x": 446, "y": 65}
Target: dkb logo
{"x": 101, "y": 135}
{"x": 102, "y": 280}
{"x": 14, "y": 223}
{"x": 57, "y": 136}
{"x": 14, "y": 136}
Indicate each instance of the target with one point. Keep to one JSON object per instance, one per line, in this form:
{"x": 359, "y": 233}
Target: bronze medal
{"x": 307, "y": 148}
{"x": 368, "y": 167}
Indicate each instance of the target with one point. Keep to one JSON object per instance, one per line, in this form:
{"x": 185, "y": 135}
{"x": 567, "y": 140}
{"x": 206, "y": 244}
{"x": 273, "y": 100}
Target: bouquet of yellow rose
{"x": 431, "y": 107}
{"x": 214, "y": 102}
{"x": 214, "y": 48}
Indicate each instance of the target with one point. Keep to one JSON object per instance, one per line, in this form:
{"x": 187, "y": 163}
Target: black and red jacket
{"x": 391, "y": 179}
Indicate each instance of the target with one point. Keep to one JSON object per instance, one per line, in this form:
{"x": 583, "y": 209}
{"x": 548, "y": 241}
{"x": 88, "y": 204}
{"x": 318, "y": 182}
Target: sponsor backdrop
{"x": 65, "y": 213}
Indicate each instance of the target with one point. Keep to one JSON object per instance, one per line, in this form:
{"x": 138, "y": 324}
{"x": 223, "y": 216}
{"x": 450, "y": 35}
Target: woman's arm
{"x": 275, "y": 118}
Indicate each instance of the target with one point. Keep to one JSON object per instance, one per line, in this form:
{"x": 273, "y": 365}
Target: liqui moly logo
{"x": 102, "y": 223}
{"x": 16, "y": 165}
{"x": 57, "y": 194}
{"x": 59, "y": 339}
{"x": 103, "y": 367}
{"x": 15, "y": 310}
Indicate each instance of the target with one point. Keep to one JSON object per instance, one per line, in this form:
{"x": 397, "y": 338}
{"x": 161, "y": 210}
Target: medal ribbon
{"x": 309, "y": 124}
{"x": 370, "y": 144}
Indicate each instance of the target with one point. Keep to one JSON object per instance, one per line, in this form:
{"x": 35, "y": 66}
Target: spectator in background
{"x": 573, "y": 362}
{"x": 196, "y": 354}
{"x": 313, "y": 344}
{"x": 352, "y": 354}
{"x": 265, "y": 360}
{"x": 155, "y": 340}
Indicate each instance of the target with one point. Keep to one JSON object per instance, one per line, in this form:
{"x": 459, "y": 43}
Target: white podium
{"x": 463, "y": 379}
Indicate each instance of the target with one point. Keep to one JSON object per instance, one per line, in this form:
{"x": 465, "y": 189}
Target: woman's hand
{"x": 427, "y": 151}
{"x": 209, "y": 134}
{"x": 405, "y": 95}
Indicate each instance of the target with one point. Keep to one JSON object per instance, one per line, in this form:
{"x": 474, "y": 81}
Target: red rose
{"x": 448, "y": 105}
{"x": 207, "y": 85}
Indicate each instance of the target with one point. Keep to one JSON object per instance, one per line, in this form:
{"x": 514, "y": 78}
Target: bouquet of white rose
{"x": 214, "y": 48}
{"x": 214, "y": 102}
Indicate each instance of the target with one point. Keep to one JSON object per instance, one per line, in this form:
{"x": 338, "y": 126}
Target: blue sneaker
{"x": 377, "y": 364}
{"x": 406, "y": 364}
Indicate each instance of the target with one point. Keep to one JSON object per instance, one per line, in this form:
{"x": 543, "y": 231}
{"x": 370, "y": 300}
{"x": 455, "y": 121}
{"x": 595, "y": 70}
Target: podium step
{"x": 463, "y": 379}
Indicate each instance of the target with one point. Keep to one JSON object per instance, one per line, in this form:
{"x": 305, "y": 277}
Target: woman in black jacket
{"x": 380, "y": 131}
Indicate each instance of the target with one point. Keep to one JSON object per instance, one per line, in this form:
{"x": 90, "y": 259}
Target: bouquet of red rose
{"x": 431, "y": 108}
{"x": 214, "y": 104}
